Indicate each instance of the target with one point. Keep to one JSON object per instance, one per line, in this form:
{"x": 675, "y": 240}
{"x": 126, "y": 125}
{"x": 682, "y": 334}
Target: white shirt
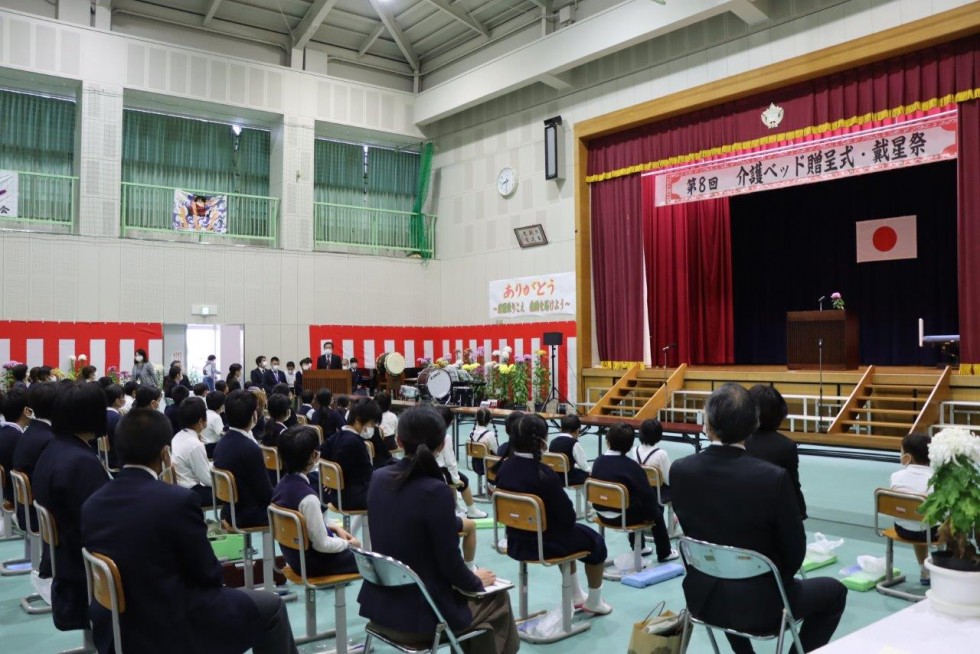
{"x": 578, "y": 454}
{"x": 316, "y": 525}
{"x": 244, "y": 433}
{"x": 914, "y": 479}
{"x": 389, "y": 423}
{"x": 215, "y": 428}
{"x": 487, "y": 436}
{"x": 659, "y": 459}
{"x": 127, "y": 403}
{"x": 446, "y": 458}
{"x": 190, "y": 460}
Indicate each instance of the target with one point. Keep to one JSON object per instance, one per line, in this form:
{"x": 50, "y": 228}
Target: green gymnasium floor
{"x": 839, "y": 496}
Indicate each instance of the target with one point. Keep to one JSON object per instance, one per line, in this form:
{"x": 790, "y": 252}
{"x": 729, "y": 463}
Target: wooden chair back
{"x": 105, "y": 580}
{"x": 607, "y": 494}
{"x": 490, "y": 463}
{"x": 520, "y": 511}
{"x": 895, "y": 504}
{"x": 23, "y": 494}
{"x": 47, "y": 527}
{"x": 654, "y": 478}
{"x": 557, "y": 462}
{"x": 300, "y": 420}
{"x": 370, "y": 448}
{"x": 288, "y": 527}
{"x": 477, "y": 450}
{"x": 224, "y": 485}
{"x": 271, "y": 457}
{"x": 319, "y": 431}
{"x": 331, "y": 475}
{"x": 169, "y": 475}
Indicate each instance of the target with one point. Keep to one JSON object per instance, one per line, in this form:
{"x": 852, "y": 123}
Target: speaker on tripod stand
{"x": 555, "y": 402}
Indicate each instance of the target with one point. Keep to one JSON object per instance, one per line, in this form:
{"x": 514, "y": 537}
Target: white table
{"x": 919, "y": 629}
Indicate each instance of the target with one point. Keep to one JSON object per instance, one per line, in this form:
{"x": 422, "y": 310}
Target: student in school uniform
{"x": 159, "y": 544}
{"x": 262, "y": 402}
{"x": 389, "y": 421}
{"x": 129, "y": 396}
{"x": 567, "y": 443}
{"x": 215, "y": 428}
{"x": 914, "y": 478}
{"x": 37, "y": 436}
{"x": 272, "y": 376}
{"x": 523, "y": 472}
{"x": 67, "y": 474}
{"x": 286, "y": 391}
{"x": 178, "y": 395}
{"x": 511, "y": 422}
{"x": 19, "y": 373}
{"x": 234, "y": 375}
{"x": 239, "y": 453}
{"x": 412, "y": 520}
{"x": 329, "y": 552}
{"x": 329, "y": 420}
{"x": 446, "y": 458}
{"x": 148, "y": 397}
{"x": 304, "y": 367}
{"x": 306, "y": 405}
{"x": 348, "y": 450}
{"x": 278, "y": 406}
{"x": 200, "y": 390}
{"x": 617, "y": 466}
{"x": 114, "y": 403}
{"x": 648, "y": 453}
{"x": 190, "y": 457}
{"x": 17, "y": 416}
{"x": 258, "y": 373}
{"x": 484, "y": 432}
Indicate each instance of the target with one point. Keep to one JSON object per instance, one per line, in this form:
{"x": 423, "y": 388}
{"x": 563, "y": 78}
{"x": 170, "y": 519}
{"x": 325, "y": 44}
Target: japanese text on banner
{"x": 540, "y": 295}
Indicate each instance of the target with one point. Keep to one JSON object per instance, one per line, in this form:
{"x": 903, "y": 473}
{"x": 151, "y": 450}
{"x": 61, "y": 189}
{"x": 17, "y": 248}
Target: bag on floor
{"x": 661, "y": 632}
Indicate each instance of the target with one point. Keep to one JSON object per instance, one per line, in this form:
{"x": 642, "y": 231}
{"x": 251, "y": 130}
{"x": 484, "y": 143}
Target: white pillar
{"x": 98, "y": 158}
{"x": 102, "y": 18}
{"x": 75, "y": 11}
{"x": 291, "y": 179}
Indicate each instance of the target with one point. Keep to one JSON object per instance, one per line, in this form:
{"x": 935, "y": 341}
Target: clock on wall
{"x": 507, "y": 181}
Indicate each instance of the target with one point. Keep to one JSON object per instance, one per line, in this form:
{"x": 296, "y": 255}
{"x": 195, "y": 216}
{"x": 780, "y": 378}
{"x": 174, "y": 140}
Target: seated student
{"x": 190, "y": 457}
{"x": 567, "y": 443}
{"x": 87, "y": 374}
{"x": 160, "y": 546}
{"x": 446, "y": 458}
{"x": 129, "y": 396}
{"x": 200, "y": 390}
{"x": 174, "y": 378}
{"x": 412, "y": 520}
{"x": 262, "y": 400}
{"x": 484, "y": 432}
{"x": 148, "y": 397}
{"x": 389, "y": 421}
{"x": 41, "y": 398}
{"x": 215, "y": 428}
{"x": 329, "y": 552}
{"x": 914, "y": 478}
{"x": 19, "y": 373}
{"x": 617, "y": 466}
{"x": 511, "y": 423}
{"x": 523, "y": 472}
{"x": 768, "y": 444}
{"x": 221, "y": 386}
{"x": 278, "y": 414}
{"x": 287, "y": 392}
{"x": 67, "y": 473}
{"x": 648, "y": 453}
{"x": 17, "y": 416}
{"x": 347, "y": 449}
{"x": 329, "y": 420}
{"x": 114, "y": 403}
{"x": 342, "y": 407}
{"x": 239, "y": 453}
{"x": 306, "y": 404}
{"x": 382, "y": 453}
{"x": 178, "y": 395}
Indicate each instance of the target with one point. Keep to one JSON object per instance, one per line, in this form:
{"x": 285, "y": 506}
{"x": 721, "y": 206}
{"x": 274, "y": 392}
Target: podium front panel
{"x": 837, "y": 329}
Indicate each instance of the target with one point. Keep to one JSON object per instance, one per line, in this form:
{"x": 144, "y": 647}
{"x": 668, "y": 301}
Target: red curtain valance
{"x": 909, "y": 83}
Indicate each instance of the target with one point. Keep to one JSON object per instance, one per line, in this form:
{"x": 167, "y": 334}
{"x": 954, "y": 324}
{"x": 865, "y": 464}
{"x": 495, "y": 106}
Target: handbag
{"x": 661, "y": 632}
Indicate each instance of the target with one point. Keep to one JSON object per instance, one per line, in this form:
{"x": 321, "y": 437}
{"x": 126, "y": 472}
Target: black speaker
{"x": 553, "y": 338}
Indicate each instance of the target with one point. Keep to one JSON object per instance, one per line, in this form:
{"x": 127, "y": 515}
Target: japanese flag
{"x": 886, "y": 239}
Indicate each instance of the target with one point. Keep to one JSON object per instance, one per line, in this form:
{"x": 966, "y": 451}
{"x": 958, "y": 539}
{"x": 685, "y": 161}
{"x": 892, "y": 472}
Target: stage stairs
{"x": 885, "y": 407}
{"x": 640, "y": 393}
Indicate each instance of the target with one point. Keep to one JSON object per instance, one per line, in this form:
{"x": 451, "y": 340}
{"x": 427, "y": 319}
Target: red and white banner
{"x": 368, "y": 343}
{"x": 910, "y": 143}
{"x": 105, "y": 344}
{"x": 886, "y": 239}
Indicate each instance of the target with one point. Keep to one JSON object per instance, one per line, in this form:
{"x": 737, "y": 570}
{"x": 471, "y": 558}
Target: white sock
{"x": 470, "y": 565}
{"x": 595, "y": 596}
{"x": 578, "y": 595}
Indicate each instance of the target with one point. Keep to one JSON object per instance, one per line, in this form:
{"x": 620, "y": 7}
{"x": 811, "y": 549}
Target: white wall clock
{"x": 507, "y": 181}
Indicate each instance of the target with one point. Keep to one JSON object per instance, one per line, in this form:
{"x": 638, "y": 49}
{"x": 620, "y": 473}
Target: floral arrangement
{"x": 75, "y": 365}
{"x": 441, "y": 362}
{"x": 509, "y": 381}
{"x": 837, "y": 301}
{"x": 423, "y": 362}
{"x": 8, "y": 373}
{"x": 541, "y": 376}
{"x": 58, "y": 373}
{"x": 954, "y": 503}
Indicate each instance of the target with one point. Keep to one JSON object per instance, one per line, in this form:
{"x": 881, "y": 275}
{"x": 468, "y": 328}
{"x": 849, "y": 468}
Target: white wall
{"x": 475, "y": 239}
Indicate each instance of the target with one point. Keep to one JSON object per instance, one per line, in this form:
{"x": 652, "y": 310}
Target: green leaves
{"x": 955, "y": 500}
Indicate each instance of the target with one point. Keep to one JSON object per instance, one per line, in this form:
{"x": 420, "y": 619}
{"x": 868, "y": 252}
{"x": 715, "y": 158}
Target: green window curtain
{"x": 166, "y": 150}
{"x": 392, "y": 179}
{"x": 37, "y": 133}
{"x": 339, "y": 173}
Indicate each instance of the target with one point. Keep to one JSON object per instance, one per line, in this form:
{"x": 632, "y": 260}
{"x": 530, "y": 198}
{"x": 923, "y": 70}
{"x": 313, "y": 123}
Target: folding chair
{"x": 479, "y": 452}
{"x": 289, "y": 530}
{"x": 656, "y": 480}
{"x": 904, "y": 506}
{"x": 225, "y": 489}
{"x": 49, "y": 532}
{"x": 732, "y": 563}
{"x": 169, "y": 476}
{"x": 32, "y": 604}
{"x": 105, "y": 587}
{"x": 386, "y": 572}
{"x": 332, "y": 478}
{"x": 559, "y": 463}
{"x": 319, "y": 432}
{"x": 7, "y": 513}
{"x": 490, "y": 463}
{"x": 526, "y": 512}
{"x": 370, "y": 448}
{"x": 102, "y": 442}
{"x": 615, "y": 496}
{"x": 271, "y": 457}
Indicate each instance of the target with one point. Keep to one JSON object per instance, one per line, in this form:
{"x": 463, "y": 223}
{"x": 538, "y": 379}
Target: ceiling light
{"x": 237, "y": 129}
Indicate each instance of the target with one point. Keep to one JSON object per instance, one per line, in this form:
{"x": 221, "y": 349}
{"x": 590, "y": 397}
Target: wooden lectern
{"x": 837, "y": 328}
{"x": 337, "y": 382}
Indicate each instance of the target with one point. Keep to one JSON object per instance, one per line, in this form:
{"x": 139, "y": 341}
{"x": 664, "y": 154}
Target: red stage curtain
{"x": 937, "y": 72}
{"x": 688, "y": 251}
{"x": 617, "y": 268}
{"x": 968, "y": 229}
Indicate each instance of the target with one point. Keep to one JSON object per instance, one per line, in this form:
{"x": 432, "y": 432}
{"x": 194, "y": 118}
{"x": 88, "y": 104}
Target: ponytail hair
{"x": 532, "y": 431}
{"x": 421, "y": 431}
{"x": 483, "y": 416}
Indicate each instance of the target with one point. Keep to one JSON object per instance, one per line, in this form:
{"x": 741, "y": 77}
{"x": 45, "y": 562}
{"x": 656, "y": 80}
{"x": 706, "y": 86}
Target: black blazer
{"x": 257, "y": 375}
{"x": 416, "y": 524}
{"x": 334, "y": 363}
{"x": 241, "y": 456}
{"x": 175, "y": 595}
{"x": 348, "y": 450}
{"x": 272, "y": 377}
{"x": 775, "y": 448}
{"x": 111, "y": 422}
{"x": 621, "y": 469}
{"x": 66, "y": 475}
{"x": 9, "y": 435}
{"x": 727, "y": 497}
{"x": 29, "y": 448}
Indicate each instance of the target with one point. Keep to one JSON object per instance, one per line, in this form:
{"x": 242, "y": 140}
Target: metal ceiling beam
{"x": 185, "y": 19}
{"x": 749, "y": 12}
{"x": 212, "y": 10}
{"x": 311, "y": 22}
{"x": 396, "y": 33}
{"x": 369, "y": 41}
{"x": 461, "y": 16}
{"x": 544, "y": 4}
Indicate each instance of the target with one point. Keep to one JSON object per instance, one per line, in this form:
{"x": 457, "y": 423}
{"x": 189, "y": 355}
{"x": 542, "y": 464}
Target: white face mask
{"x": 139, "y": 359}
{"x": 367, "y": 433}
{"x": 328, "y": 352}
{"x": 264, "y": 364}
{"x": 275, "y": 367}
{"x": 306, "y": 366}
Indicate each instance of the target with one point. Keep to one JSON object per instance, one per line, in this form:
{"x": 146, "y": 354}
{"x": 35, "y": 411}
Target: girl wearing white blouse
{"x": 189, "y": 456}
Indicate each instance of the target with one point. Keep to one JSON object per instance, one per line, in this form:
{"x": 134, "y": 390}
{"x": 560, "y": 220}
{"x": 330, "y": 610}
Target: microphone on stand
{"x": 665, "y": 349}
{"x": 669, "y": 347}
{"x": 820, "y": 304}
{"x": 820, "y": 400}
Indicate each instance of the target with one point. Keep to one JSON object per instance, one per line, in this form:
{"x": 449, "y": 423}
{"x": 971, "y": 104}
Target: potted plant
{"x": 954, "y": 505}
{"x": 519, "y": 378}
{"x": 541, "y": 377}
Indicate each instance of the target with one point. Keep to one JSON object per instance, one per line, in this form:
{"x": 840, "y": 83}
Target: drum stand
{"x": 555, "y": 394}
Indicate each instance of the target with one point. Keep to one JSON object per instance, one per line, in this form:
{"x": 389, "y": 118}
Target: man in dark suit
{"x": 159, "y": 544}
{"x": 272, "y": 376}
{"x": 114, "y": 399}
{"x": 768, "y": 444}
{"x": 67, "y": 474}
{"x": 328, "y": 360}
{"x": 258, "y": 373}
{"x": 239, "y": 453}
{"x": 727, "y": 497}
